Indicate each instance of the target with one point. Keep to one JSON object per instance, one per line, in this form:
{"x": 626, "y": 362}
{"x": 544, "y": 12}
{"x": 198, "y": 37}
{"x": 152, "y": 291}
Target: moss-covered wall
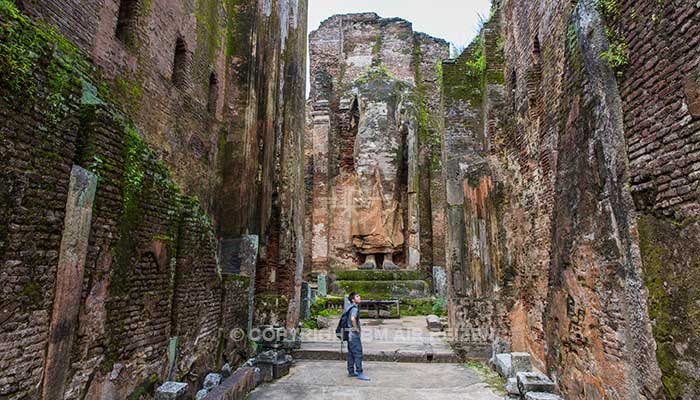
{"x": 152, "y": 268}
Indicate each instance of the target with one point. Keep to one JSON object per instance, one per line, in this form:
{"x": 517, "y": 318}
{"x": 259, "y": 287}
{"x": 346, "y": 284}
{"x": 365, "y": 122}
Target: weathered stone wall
{"x": 571, "y": 189}
{"x": 349, "y": 53}
{"x": 659, "y": 91}
{"x": 154, "y": 305}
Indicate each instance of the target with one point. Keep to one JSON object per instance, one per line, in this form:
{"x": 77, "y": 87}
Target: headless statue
{"x": 377, "y": 220}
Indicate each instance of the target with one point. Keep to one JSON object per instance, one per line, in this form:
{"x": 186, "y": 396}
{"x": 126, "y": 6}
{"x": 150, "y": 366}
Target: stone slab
{"x": 236, "y": 387}
{"x": 541, "y": 396}
{"x": 521, "y": 362}
{"x": 172, "y": 391}
{"x": 504, "y": 365}
{"x": 69, "y": 280}
{"x": 211, "y": 380}
{"x": 434, "y": 323}
{"x": 534, "y": 382}
{"x": 512, "y": 387}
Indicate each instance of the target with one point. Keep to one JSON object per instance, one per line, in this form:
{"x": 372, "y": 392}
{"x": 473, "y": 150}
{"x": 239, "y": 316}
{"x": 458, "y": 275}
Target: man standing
{"x": 354, "y": 342}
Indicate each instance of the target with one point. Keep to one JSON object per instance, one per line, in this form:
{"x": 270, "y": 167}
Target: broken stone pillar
{"x": 69, "y": 280}
{"x": 319, "y": 217}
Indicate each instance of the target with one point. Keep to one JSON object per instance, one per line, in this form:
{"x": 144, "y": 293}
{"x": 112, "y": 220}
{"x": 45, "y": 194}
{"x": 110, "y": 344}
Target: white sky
{"x": 456, "y": 21}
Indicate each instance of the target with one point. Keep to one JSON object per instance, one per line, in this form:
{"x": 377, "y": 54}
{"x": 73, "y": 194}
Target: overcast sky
{"x": 453, "y": 20}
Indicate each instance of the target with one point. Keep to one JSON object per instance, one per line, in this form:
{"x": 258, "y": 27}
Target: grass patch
{"x": 489, "y": 376}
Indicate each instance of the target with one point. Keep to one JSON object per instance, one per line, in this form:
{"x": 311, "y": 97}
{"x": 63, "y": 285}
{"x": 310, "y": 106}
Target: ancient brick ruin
{"x": 166, "y": 187}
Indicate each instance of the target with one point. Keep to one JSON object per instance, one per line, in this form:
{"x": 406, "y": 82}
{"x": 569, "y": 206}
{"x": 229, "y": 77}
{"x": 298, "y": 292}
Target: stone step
{"x": 382, "y": 290}
{"x": 401, "y": 355}
{"x": 541, "y": 396}
{"x": 509, "y": 364}
{"x": 534, "y": 382}
{"x": 377, "y": 275}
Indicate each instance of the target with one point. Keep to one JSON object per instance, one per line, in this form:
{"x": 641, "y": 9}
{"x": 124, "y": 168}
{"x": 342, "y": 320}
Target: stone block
{"x": 201, "y": 394}
{"x": 434, "y": 323}
{"x": 440, "y": 281}
{"x": 322, "y": 322}
{"x": 521, "y": 362}
{"x": 534, "y": 382}
{"x": 211, "y": 380}
{"x": 235, "y": 387}
{"x": 503, "y": 364}
{"x": 499, "y": 346}
{"x": 226, "y": 371}
{"x": 541, "y": 396}
{"x": 172, "y": 391}
{"x": 512, "y": 387}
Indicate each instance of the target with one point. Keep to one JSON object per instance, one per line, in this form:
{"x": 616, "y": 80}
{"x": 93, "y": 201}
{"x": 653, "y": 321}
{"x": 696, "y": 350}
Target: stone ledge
{"x": 377, "y": 275}
{"x": 383, "y": 290}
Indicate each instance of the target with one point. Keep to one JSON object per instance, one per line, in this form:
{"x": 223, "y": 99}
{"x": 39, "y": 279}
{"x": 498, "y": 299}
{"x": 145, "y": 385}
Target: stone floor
{"x": 403, "y": 340}
{"x": 322, "y": 380}
{"x": 428, "y": 368}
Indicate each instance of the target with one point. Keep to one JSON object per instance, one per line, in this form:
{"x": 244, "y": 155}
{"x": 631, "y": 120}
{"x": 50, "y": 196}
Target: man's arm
{"x": 353, "y": 319}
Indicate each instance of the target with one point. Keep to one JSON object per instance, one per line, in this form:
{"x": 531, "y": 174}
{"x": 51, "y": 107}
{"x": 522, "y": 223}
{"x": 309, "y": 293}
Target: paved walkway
{"x": 428, "y": 368}
{"x": 323, "y": 380}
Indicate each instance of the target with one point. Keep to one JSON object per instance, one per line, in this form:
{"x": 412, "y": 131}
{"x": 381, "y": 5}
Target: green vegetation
{"x": 428, "y": 133}
{"x": 25, "y": 47}
{"x": 328, "y": 307}
{"x": 208, "y": 30}
{"x": 231, "y": 7}
{"x": 491, "y": 378}
{"x": 617, "y": 54}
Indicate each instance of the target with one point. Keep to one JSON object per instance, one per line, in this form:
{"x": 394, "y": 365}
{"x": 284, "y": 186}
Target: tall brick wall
{"x": 140, "y": 69}
{"x": 152, "y": 277}
{"x": 659, "y": 91}
{"x": 591, "y": 173}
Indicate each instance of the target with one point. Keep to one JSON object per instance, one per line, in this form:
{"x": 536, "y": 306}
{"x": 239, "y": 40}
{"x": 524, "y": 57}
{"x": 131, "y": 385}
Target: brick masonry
{"x": 162, "y": 144}
{"x": 571, "y": 188}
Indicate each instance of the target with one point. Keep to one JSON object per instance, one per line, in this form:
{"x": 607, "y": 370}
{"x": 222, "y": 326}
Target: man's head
{"x": 354, "y": 298}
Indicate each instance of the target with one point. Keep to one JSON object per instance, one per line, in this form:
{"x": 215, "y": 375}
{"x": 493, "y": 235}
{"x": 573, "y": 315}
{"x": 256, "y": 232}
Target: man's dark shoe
{"x": 352, "y": 374}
